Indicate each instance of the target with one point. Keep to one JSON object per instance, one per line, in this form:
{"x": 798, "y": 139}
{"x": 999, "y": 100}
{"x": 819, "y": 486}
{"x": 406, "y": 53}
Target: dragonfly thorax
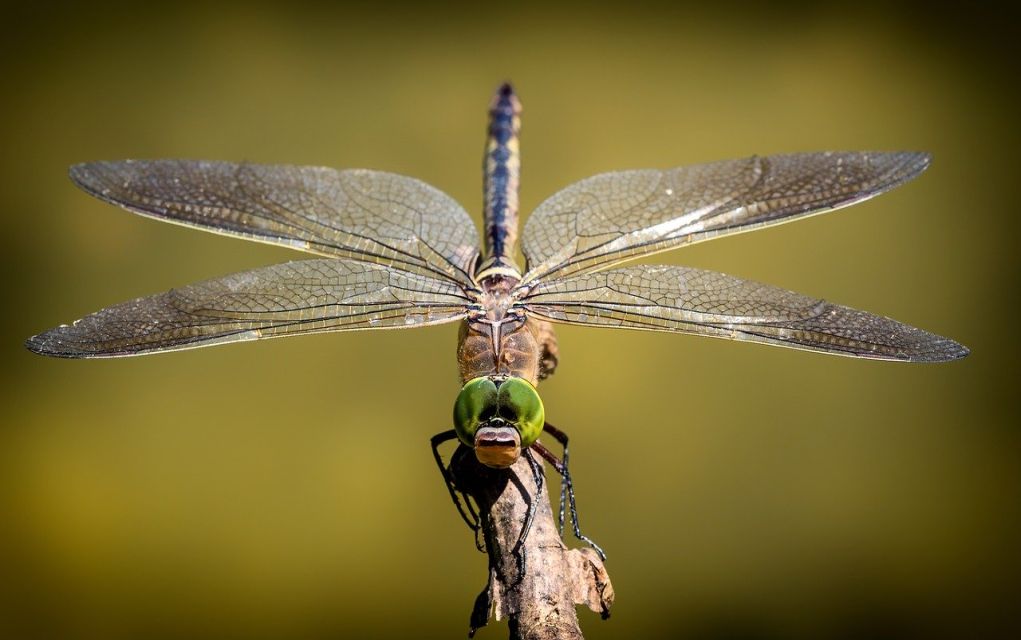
{"x": 502, "y": 341}
{"x": 497, "y": 305}
{"x": 497, "y": 337}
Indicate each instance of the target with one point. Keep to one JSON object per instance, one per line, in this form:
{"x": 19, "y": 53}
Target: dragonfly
{"x": 394, "y": 252}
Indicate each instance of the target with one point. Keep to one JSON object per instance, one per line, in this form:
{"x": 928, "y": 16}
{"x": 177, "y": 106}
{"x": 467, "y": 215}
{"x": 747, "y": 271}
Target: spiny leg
{"x": 560, "y": 468}
{"x": 561, "y": 437}
{"x": 533, "y": 506}
{"x": 483, "y": 605}
{"x": 563, "y": 470}
{"x": 464, "y": 505}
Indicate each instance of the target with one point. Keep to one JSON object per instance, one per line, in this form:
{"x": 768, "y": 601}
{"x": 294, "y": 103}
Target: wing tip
{"x": 949, "y": 351}
{"x": 919, "y": 161}
{"x": 83, "y": 175}
{"x": 898, "y": 166}
{"x": 49, "y": 343}
{"x": 62, "y": 342}
{"x": 95, "y": 177}
{"x": 937, "y": 349}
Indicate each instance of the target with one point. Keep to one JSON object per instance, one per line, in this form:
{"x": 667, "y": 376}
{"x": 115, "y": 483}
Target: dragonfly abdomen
{"x": 501, "y": 171}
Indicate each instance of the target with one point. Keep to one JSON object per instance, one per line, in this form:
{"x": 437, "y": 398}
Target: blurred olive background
{"x": 285, "y": 489}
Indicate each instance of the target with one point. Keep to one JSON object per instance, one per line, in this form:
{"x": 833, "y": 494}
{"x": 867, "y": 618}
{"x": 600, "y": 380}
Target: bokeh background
{"x": 285, "y": 489}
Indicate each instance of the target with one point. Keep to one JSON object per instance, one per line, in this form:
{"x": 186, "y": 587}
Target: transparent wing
{"x": 365, "y": 215}
{"x": 307, "y": 296}
{"x": 685, "y": 300}
{"x": 613, "y": 217}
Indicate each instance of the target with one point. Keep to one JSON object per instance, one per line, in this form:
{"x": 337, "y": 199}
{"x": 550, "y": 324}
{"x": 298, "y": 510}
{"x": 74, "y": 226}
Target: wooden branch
{"x": 539, "y": 605}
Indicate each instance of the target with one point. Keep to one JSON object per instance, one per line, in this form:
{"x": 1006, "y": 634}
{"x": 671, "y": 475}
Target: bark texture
{"x": 539, "y": 604}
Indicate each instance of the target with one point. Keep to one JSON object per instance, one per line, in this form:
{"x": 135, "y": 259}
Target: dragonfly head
{"x": 498, "y": 417}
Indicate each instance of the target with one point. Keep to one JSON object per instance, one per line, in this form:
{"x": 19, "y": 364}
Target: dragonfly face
{"x": 498, "y": 416}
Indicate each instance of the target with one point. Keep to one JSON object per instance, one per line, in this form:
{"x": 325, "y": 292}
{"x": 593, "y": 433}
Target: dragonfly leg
{"x": 533, "y": 506}
{"x": 568, "y": 485}
{"x": 562, "y": 469}
{"x": 483, "y": 605}
{"x": 561, "y": 437}
{"x": 463, "y": 504}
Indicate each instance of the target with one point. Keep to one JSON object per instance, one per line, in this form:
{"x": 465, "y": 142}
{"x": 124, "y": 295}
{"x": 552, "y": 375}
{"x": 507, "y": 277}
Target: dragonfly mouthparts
{"x": 497, "y": 444}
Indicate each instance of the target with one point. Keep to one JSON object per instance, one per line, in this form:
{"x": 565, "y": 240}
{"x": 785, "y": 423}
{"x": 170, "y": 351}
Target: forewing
{"x": 365, "y": 215}
{"x": 307, "y": 296}
{"x": 686, "y": 300}
{"x": 613, "y": 217}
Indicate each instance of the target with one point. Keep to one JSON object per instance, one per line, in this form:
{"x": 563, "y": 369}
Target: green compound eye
{"x": 519, "y": 404}
{"x": 476, "y": 403}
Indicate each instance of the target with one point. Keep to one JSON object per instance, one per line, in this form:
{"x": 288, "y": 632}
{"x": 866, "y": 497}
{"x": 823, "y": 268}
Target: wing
{"x": 685, "y": 300}
{"x": 307, "y": 296}
{"x": 614, "y": 217}
{"x": 365, "y": 215}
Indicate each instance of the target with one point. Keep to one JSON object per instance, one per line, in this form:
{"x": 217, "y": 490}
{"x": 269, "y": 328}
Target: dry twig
{"x": 539, "y": 605}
